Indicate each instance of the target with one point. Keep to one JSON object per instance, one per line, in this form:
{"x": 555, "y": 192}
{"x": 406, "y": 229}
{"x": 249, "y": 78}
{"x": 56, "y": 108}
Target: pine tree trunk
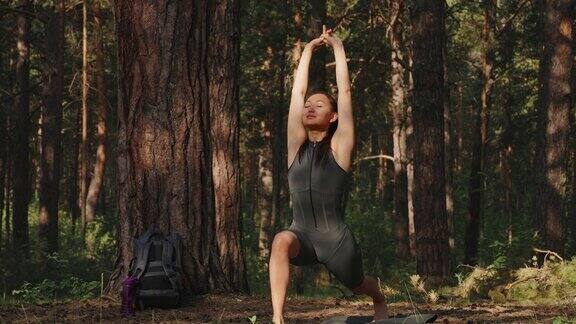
{"x": 459, "y": 145}
{"x": 572, "y": 214}
{"x": 265, "y": 198}
{"x": 20, "y": 122}
{"x": 449, "y": 158}
{"x": 3, "y": 167}
{"x": 51, "y": 146}
{"x": 433, "y": 252}
{"x": 399, "y": 133}
{"x": 555, "y": 102}
{"x": 178, "y": 135}
{"x": 506, "y": 160}
{"x": 410, "y": 157}
{"x": 73, "y": 181}
{"x": 476, "y": 189}
{"x": 317, "y": 70}
{"x": 8, "y": 199}
{"x": 83, "y": 164}
{"x": 102, "y": 115}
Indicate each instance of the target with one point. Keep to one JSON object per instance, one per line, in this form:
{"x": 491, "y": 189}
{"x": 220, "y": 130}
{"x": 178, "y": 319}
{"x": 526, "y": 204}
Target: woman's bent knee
{"x": 283, "y": 240}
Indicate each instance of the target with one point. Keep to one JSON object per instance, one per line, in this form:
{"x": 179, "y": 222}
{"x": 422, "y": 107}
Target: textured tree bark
{"x": 20, "y": 127}
{"x": 410, "y": 157}
{"x": 265, "y": 198}
{"x": 102, "y": 115}
{"x": 433, "y": 253}
{"x": 51, "y": 144}
{"x": 398, "y": 108}
{"x": 178, "y": 135}
{"x": 459, "y": 145}
{"x": 3, "y": 166}
{"x": 8, "y": 199}
{"x": 317, "y": 70}
{"x": 506, "y": 160}
{"x": 539, "y": 154}
{"x": 481, "y": 137}
{"x": 449, "y": 158}
{"x": 73, "y": 181}
{"x": 83, "y": 163}
{"x": 572, "y": 215}
{"x": 555, "y": 102}
{"x": 507, "y": 138}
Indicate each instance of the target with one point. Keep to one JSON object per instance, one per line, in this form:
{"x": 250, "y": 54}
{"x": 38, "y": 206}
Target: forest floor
{"x": 239, "y": 308}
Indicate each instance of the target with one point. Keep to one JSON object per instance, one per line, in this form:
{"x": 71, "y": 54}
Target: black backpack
{"x": 157, "y": 266}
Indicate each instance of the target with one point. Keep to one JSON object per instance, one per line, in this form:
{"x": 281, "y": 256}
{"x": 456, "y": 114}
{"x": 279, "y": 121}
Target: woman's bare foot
{"x": 278, "y": 320}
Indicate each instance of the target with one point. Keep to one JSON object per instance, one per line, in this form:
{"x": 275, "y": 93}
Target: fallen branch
{"x": 391, "y": 158}
{"x": 548, "y": 252}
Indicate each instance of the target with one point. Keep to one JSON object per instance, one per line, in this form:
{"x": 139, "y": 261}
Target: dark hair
{"x": 324, "y": 144}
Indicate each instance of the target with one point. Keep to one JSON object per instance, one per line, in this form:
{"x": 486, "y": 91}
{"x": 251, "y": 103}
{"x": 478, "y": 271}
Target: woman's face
{"x": 318, "y": 112}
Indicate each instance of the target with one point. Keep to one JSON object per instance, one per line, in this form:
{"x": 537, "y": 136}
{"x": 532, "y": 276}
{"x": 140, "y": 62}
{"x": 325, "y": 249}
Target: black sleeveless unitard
{"x": 316, "y": 192}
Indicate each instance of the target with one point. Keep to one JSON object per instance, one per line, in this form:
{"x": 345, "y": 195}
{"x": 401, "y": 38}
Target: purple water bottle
{"x": 128, "y": 289}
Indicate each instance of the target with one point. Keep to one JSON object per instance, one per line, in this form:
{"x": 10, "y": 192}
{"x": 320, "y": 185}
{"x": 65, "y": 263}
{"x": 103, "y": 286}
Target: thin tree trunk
{"x": 8, "y": 198}
{"x": 506, "y": 159}
{"x": 73, "y": 176}
{"x": 178, "y": 136}
{"x": 555, "y": 102}
{"x": 506, "y": 153}
{"x": 4, "y": 142}
{"x": 83, "y": 181}
{"x": 6, "y": 184}
{"x": 265, "y": 198}
{"x": 21, "y": 130}
{"x": 398, "y": 109}
{"x": 51, "y": 146}
{"x": 449, "y": 158}
{"x": 459, "y": 129}
{"x": 572, "y": 215}
{"x": 410, "y": 157}
{"x": 102, "y": 114}
{"x": 433, "y": 252}
{"x": 376, "y": 186}
{"x": 479, "y": 152}
{"x": 317, "y": 70}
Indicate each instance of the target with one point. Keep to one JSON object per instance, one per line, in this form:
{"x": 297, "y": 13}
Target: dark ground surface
{"x": 239, "y": 308}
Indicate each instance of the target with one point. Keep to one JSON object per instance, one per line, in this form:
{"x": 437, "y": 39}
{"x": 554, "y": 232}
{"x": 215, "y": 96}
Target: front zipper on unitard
{"x": 310, "y": 184}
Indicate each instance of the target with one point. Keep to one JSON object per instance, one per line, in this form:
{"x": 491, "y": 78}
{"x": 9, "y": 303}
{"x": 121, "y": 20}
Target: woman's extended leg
{"x": 284, "y": 247}
{"x": 370, "y": 287}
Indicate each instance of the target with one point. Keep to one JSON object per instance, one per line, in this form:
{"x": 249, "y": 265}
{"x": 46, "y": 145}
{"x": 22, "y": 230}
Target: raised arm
{"x": 296, "y": 133}
{"x": 344, "y": 137}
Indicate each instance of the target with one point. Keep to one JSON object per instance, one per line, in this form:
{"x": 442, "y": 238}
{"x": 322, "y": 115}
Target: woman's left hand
{"x": 331, "y": 39}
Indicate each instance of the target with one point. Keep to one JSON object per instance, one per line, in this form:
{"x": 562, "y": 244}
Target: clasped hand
{"x": 327, "y": 38}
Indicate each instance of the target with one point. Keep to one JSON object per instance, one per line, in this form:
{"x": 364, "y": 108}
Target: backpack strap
{"x": 169, "y": 246}
{"x": 142, "y": 249}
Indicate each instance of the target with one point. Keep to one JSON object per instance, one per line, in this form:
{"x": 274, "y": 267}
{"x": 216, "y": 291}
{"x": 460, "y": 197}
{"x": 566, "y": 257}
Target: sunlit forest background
{"x": 508, "y": 145}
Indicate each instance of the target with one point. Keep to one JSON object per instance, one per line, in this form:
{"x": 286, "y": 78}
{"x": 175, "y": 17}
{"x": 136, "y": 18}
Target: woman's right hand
{"x": 315, "y": 43}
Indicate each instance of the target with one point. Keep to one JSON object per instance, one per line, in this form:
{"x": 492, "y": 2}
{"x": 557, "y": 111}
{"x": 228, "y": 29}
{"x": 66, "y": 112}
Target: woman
{"x": 320, "y": 145}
